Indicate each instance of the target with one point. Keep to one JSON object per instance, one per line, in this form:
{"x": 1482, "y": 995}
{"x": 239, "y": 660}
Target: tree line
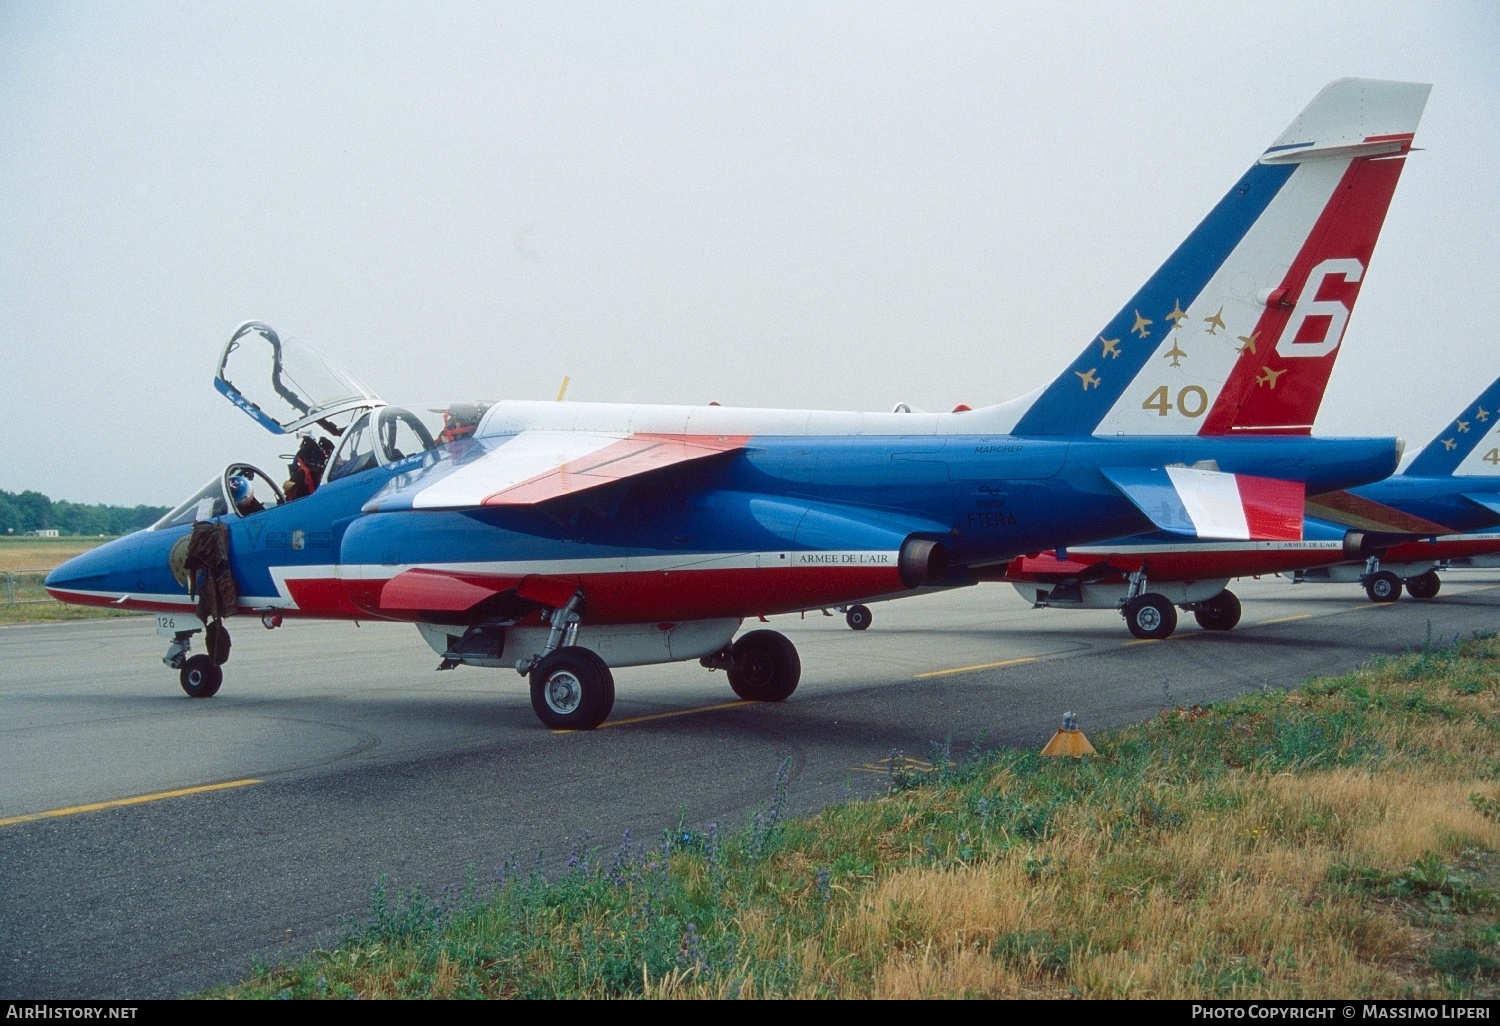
{"x": 33, "y": 511}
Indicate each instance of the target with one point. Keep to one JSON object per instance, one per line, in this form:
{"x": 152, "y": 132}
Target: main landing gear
{"x": 1152, "y": 617}
{"x": 1385, "y": 586}
{"x": 763, "y": 666}
{"x": 858, "y": 618}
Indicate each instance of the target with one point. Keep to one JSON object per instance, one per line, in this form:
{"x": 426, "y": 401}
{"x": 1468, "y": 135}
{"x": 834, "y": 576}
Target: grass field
{"x": 27, "y": 560}
{"x": 1338, "y": 840}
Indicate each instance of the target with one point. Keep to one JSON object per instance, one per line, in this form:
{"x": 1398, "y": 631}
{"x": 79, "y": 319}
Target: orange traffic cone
{"x": 1069, "y": 740}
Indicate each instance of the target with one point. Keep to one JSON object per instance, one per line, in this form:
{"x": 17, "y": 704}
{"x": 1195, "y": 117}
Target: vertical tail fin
{"x": 1469, "y": 446}
{"x": 1239, "y": 329}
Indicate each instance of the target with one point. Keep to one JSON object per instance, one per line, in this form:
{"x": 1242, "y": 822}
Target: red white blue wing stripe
{"x": 1209, "y": 504}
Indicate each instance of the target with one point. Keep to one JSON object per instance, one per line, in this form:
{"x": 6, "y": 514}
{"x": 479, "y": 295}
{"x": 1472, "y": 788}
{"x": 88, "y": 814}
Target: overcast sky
{"x": 833, "y": 205}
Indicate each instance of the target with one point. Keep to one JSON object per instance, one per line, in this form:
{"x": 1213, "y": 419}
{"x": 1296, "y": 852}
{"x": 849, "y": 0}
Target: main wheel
{"x": 1424, "y": 586}
{"x": 1219, "y": 613}
{"x": 200, "y": 676}
{"x": 766, "y": 667}
{"x": 1383, "y": 587}
{"x": 572, "y": 689}
{"x": 1151, "y": 616}
{"x": 858, "y": 617}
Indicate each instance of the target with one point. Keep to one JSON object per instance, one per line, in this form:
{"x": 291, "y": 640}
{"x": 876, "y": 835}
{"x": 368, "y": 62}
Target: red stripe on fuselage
{"x": 646, "y": 596}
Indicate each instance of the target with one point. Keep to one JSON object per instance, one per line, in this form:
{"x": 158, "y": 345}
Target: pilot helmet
{"x": 239, "y": 488}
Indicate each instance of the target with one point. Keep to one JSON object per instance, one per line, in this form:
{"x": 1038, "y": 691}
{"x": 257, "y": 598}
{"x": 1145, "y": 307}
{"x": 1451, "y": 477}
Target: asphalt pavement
{"x": 178, "y": 839}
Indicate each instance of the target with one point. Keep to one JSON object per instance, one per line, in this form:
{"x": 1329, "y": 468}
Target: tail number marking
{"x": 1492, "y": 457}
{"x": 1192, "y": 400}
{"x": 1309, "y": 305}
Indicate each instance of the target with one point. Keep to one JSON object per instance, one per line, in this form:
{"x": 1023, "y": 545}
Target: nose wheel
{"x": 200, "y": 676}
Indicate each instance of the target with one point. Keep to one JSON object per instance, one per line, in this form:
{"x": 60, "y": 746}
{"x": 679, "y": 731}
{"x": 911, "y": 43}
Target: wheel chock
{"x": 1069, "y": 740}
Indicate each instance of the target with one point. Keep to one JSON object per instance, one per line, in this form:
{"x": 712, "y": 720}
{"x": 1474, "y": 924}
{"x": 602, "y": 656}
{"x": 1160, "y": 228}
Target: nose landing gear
{"x": 200, "y": 675}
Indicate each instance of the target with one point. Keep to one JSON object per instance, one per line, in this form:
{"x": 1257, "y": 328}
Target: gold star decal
{"x": 1178, "y": 315}
{"x": 1249, "y": 341}
{"x": 1449, "y": 444}
{"x": 1463, "y": 426}
{"x": 1483, "y": 415}
{"x": 1089, "y": 378}
{"x": 1269, "y": 376}
{"x": 1215, "y": 322}
{"x": 1111, "y": 347}
{"x": 1175, "y": 354}
{"x": 1141, "y": 324}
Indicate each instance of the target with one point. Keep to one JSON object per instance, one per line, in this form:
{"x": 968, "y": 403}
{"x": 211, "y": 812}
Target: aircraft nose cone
{"x": 93, "y": 570}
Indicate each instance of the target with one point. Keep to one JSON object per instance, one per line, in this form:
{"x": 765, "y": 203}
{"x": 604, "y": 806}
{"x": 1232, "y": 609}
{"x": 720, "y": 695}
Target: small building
{"x": 46, "y": 532}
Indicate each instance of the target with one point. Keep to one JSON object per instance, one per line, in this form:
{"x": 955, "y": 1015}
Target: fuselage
{"x": 811, "y": 512}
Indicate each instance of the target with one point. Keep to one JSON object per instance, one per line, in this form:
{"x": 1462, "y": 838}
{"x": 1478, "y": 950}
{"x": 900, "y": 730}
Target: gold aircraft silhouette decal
{"x": 1482, "y": 416}
{"x": 1178, "y": 315}
{"x": 1249, "y": 342}
{"x": 1111, "y": 348}
{"x": 1215, "y": 322}
{"x": 1175, "y": 354}
{"x": 1269, "y": 376}
{"x": 1463, "y": 426}
{"x": 1089, "y": 378}
{"x": 1449, "y": 444}
{"x": 1141, "y": 326}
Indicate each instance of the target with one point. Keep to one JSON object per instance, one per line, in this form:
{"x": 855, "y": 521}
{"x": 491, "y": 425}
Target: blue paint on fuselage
{"x": 1439, "y": 499}
{"x": 987, "y": 497}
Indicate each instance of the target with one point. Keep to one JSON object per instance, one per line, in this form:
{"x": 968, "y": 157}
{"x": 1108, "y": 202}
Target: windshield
{"x": 285, "y": 384}
{"x": 206, "y": 503}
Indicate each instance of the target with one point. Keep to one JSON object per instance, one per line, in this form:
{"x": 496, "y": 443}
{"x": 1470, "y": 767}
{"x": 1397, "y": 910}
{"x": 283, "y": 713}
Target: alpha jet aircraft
{"x": 1441, "y": 511}
{"x": 566, "y": 539}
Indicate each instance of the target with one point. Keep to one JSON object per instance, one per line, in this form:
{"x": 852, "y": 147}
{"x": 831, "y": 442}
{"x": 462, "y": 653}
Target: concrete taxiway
{"x": 151, "y": 844}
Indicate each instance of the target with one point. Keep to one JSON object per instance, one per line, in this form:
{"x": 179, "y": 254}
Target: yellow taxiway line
{"x": 141, "y": 799}
{"x": 981, "y": 666}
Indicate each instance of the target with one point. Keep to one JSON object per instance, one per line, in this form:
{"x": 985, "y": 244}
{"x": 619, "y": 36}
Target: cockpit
{"x": 341, "y": 427}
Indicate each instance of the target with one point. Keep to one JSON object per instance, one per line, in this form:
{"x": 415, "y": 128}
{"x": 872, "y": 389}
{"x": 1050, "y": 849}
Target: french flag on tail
{"x": 1238, "y": 331}
{"x": 1213, "y": 505}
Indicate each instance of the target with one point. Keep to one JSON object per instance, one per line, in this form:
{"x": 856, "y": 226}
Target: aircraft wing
{"x": 1350, "y": 510}
{"x": 1212, "y": 504}
{"x": 536, "y": 466}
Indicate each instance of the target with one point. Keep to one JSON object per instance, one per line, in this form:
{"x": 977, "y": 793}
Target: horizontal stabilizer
{"x": 1363, "y": 514}
{"x": 1211, "y": 504}
{"x": 537, "y": 466}
{"x": 1489, "y": 500}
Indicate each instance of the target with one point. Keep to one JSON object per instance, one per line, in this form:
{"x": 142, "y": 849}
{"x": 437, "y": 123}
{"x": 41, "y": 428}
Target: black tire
{"x": 1219, "y": 613}
{"x": 1424, "y": 586}
{"x": 572, "y": 689}
{"x": 766, "y": 667}
{"x": 1151, "y": 617}
{"x": 1383, "y": 587}
{"x": 200, "y": 677}
{"x": 858, "y": 618}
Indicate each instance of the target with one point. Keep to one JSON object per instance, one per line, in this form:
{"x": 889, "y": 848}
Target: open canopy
{"x": 285, "y": 384}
